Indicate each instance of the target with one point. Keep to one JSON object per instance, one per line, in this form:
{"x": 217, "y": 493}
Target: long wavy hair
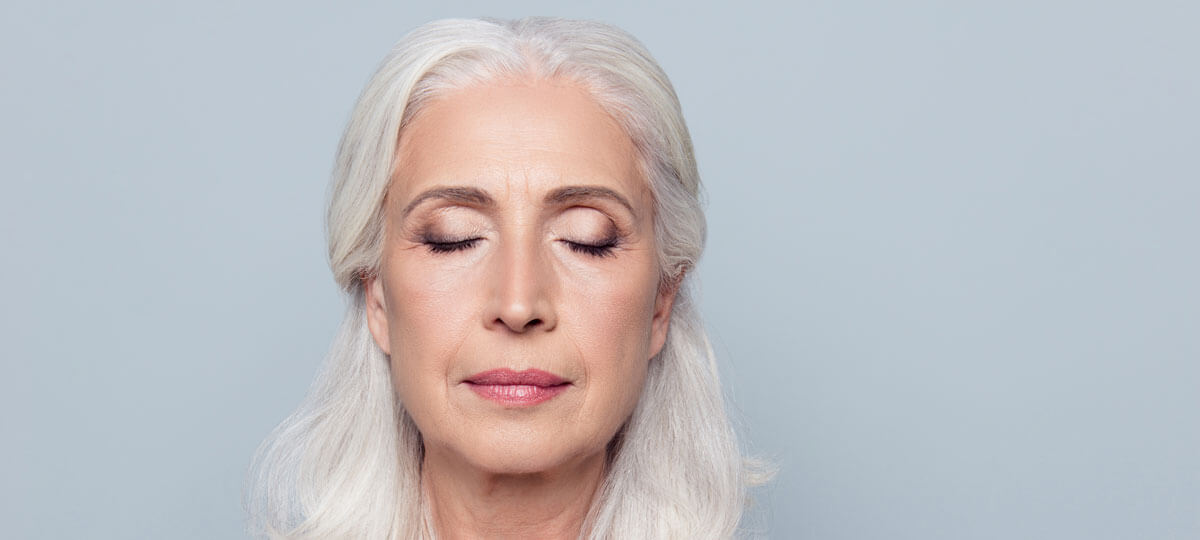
{"x": 346, "y": 463}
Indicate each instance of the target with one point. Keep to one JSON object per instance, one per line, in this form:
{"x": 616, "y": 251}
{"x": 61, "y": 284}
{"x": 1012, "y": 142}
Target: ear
{"x": 377, "y": 314}
{"x": 663, "y": 303}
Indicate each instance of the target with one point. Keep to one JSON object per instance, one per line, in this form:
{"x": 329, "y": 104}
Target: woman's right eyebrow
{"x": 461, "y": 195}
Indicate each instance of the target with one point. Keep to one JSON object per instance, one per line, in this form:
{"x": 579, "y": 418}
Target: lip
{"x": 517, "y": 388}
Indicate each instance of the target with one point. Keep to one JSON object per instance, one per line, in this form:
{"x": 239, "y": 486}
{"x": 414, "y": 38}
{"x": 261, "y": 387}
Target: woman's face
{"x": 518, "y": 294}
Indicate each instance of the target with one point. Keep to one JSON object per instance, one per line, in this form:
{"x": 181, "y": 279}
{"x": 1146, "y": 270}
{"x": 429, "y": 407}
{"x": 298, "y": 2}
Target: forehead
{"x": 517, "y": 137}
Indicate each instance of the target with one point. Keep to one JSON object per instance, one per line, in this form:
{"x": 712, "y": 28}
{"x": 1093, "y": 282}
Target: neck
{"x": 469, "y": 503}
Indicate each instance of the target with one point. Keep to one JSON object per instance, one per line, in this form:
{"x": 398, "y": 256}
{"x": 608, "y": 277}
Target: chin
{"x": 522, "y": 452}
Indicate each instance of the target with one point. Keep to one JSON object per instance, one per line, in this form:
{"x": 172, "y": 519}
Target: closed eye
{"x": 604, "y": 249}
{"x": 450, "y": 247}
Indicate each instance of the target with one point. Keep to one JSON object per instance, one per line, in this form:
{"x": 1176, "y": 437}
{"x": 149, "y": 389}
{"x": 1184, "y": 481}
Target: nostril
{"x": 516, "y": 326}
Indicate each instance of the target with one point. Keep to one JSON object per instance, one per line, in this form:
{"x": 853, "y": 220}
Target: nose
{"x": 522, "y": 286}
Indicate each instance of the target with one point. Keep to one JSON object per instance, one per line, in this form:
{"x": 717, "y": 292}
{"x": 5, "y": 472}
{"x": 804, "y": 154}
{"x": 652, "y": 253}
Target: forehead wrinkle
{"x": 520, "y": 152}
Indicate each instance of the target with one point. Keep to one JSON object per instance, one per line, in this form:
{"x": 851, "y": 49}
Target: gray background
{"x": 951, "y": 272}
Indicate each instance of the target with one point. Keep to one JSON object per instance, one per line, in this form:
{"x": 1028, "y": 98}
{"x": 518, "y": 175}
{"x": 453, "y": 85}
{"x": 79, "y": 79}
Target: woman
{"x": 514, "y": 215}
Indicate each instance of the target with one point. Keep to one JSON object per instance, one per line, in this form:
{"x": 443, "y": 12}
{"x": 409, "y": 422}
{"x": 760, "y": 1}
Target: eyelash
{"x": 450, "y": 247}
{"x": 604, "y": 249}
{"x": 598, "y": 250}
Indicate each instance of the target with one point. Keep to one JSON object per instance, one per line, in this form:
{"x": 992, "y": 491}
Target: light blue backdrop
{"x": 952, "y": 271}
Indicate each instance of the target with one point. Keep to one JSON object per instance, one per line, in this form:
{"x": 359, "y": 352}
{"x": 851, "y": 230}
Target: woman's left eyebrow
{"x": 571, "y": 194}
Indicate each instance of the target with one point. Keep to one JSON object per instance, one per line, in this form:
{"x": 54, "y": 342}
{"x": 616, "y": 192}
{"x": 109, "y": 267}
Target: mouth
{"x": 517, "y": 388}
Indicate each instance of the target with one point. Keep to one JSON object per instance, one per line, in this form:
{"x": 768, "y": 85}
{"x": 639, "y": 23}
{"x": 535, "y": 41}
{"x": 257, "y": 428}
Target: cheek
{"x": 613, "y": 307}
{"x": 430, "y": 314}
{"x": 614, "y": 319}
{"x": 611, "y": 326}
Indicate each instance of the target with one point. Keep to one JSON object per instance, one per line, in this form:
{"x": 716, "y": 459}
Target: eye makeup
{"x": 439, "y": 238}
{"x": 445, "y": 230}
{"x": 449, "y": 246}
{"x": 587, "y": 231}
{"x": 583, "y": 230}
{"x": 602, "y": 248}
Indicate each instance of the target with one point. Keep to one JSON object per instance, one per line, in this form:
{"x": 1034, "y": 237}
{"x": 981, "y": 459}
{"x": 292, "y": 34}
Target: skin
{"x": 492, "y": 274}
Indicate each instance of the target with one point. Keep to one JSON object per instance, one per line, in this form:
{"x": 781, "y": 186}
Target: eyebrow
{"x": 571, "y": 194}
{"x": 461, "y": 195}
{"x": 478, "y": 197}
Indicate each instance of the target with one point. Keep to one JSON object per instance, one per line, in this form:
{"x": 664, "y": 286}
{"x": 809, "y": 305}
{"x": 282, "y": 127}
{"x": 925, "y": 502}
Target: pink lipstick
{"x": 517, "y": 388}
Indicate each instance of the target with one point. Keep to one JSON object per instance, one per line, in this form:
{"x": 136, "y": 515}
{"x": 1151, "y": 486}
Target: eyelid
{"x": 604, "y": 248}
{"x": 441, "y": 234}
{"x": 620, "y": 218}
{"x": 590, "y": 231}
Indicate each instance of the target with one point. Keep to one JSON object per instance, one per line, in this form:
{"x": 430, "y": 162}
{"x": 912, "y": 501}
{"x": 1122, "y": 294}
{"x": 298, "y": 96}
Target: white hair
{"x": 346, "y": 464}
